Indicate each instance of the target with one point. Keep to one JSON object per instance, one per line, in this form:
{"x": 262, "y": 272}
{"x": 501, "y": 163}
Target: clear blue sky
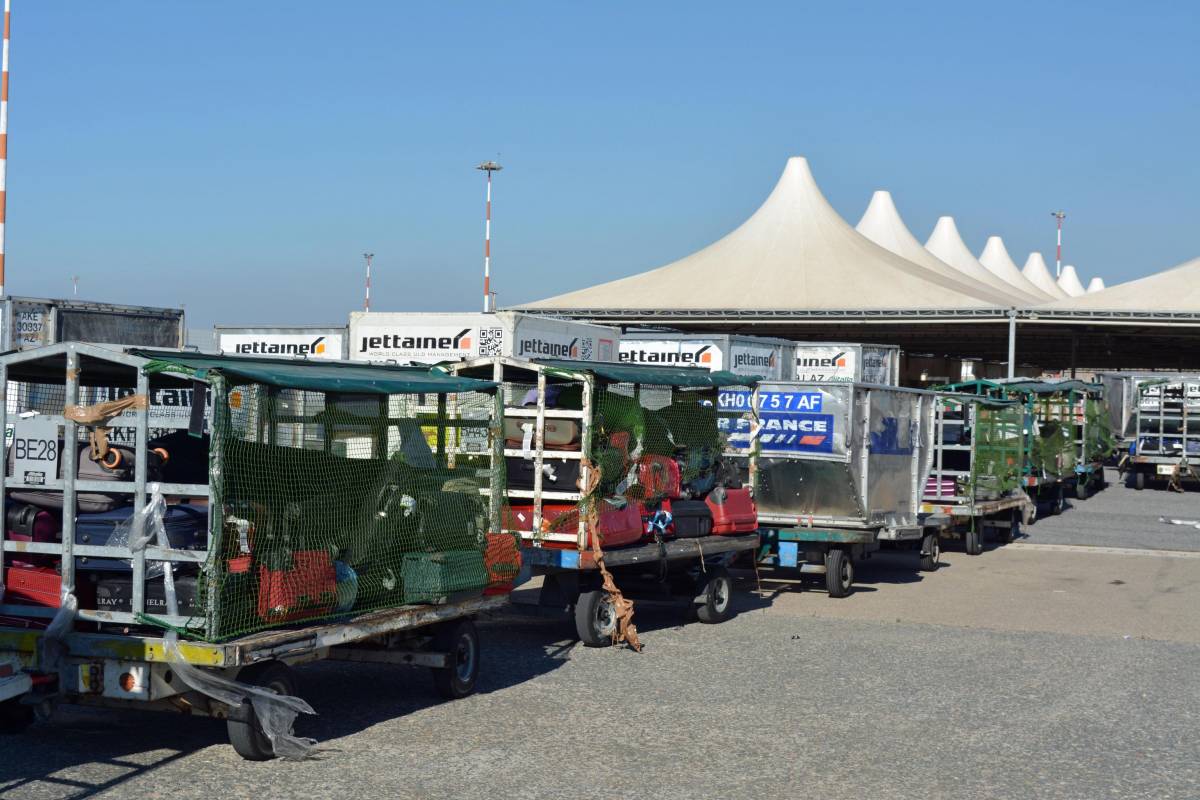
{"x": 240, "y": 156}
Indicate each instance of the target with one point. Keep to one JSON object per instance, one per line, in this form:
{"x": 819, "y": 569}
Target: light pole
{"x": 367, "y": 301}
{"x": 489, "y": 167}
{"x": 1060, "y": 216}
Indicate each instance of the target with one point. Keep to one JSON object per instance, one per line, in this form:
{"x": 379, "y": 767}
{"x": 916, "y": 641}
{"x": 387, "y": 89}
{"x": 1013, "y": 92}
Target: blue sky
{"x": 238, "y": 157}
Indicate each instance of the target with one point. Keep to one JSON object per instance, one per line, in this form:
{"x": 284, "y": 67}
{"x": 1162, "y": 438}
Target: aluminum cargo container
{"x": 295, "y": 341}
{"x": 430, "y": 338}
{"x": 847, "y": 362}
{"x": 28, "y": 322}
{"x": 748, "y": 356}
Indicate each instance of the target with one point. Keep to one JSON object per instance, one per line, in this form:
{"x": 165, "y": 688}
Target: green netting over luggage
{"x": 1052, "y": 451}
{"x": 998, "y": 450}
{"x": 1099, "y": 441}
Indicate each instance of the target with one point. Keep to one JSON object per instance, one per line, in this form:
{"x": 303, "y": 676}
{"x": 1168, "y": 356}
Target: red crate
{"x": 39, "y": 586}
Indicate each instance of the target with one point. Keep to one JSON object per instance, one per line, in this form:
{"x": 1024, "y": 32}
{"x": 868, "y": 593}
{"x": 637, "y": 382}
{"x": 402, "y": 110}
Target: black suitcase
{"x": 186, "y": 457}
{"x": 114, "y": 592}
{"x": 691, "y": 519}
{"x": 117, "y": 466}
{"x": 187, "y": 529}
{"x": 558, "y": 474}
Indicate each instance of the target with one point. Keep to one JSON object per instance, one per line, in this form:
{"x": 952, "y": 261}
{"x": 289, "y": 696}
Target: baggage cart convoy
{"x": 978, "y": 468}
{"x": 276, "y": 513}
{"x": 838, "y": 470}
{"x": 617, "y": 487}
{"x": 1166, "y": 451}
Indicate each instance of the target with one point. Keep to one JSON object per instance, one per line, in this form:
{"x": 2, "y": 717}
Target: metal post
{"x": 1058, "y": 215}
{"x": 496, "y": 430}
{"x": 1012, "y": 344}
{"x": 4, "y": 133}
{"x": 142, "y": 436}
{"x": 1074, "y": 349}
{"x": 70, "y": 467}
{"x": 489, "y": 167}
{"x": 367, "y": 300}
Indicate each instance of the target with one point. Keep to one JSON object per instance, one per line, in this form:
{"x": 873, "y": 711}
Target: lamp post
{"x": 1060, "y": 216}
{"x": 367, "y": 301}
{"x": 489, "y": 167}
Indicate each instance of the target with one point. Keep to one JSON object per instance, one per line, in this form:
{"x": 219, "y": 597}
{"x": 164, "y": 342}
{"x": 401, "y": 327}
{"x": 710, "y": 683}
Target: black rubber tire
{"x": 839, "y": 573}
{"x": 459, "y": 640}
{"x": 931, "y": 551}
{"x": 973, "y": 542}
{"x": 1081, "y": 488}
{"x": 1139, "y": 481}
{"x": 1013, "y": 530}
{"x": 718, "y": 597}
{"x": 247, "y": 738}
{"x": 595, "y": 618}
{"x": 15, "y": 716}
{"x": 1059, "y": 502}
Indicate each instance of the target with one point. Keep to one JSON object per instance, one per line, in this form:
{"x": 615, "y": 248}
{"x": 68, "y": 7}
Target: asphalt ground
{"x": 1034, "y": 670}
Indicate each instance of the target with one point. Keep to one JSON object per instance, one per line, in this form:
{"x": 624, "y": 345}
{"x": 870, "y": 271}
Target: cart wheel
{"x": 1081, "y": 488}
{"x": 718, "y": 597}
{"x": 15, "y": 716}
{"x": 931, "y": 551}
{"x": 1013, "y": 530}
{"x": 247, "y": 738}
{"x": 1139, "y": 480}
{"x": 595, "y": 618}
{"x": 1029, "y": 514}
{"x": 1059, "y": 502}
{"x": 839, "y": 573}
{"x": 973, "y": 542}
{"x": 459, "y": 640}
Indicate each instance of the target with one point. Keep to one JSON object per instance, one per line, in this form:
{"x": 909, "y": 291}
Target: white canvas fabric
{"x": 1069, "y": 282}
{"x": 996, "y": 260}
{"x": 1095, "y": 285}
{"x": 882, "y": 224}
{"x": 1176, "y": 289}
{"x": 793, "y": 253}
{"x": 947, "y": 245}
{"x": 1037, "y": 273}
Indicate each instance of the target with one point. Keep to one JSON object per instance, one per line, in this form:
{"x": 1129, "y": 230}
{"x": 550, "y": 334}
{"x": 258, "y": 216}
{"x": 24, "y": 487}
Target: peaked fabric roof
{"x": 1037, "y": 273}
{"x": 793, "y": 253}
{"x": 1095, "y": 285}
{"x": 881, "y": 223}
{"x": 946, "y": 243}
{"x": 995, "y": 259}
{"x": 1175, "y": 289}
{"x": 1069, "y": 282}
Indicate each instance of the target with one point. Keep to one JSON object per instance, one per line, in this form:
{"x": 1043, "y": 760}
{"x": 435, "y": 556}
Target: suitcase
{"x": 117, "y": 466}
{"x": 296, "y": 586}
{"x": 733, "y": 511}
{"x": 502, "y": 559}
{"x": 691, "y": 519}
{"x": 114, "y": 592}
{"x": 558, "y": 474}
{"x": 619, "y": 525}
{"x": 187, "y": 529}
{"x": 557, "y": 434}
{"x": 443, "y": 576}
{"x": 37, "y": 586}
{"x": 659, "y": 477}
{"x": 32, "y": 524}
{"x": 185, "y": 457}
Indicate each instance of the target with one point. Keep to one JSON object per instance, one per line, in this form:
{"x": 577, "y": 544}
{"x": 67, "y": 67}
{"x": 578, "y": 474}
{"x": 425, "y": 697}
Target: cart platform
{"x": 549, "y": 559}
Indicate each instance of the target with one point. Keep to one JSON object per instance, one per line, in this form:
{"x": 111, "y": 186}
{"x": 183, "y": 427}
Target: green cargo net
{"x": 338, "y": 504}
{"x": 1053, "y": 448}
{"x": 998, "y": 450}
{"x": 1099, "y": 441}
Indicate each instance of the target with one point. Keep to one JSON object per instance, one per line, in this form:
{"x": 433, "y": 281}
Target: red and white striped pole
{"x": 367, "y": 301}
{"x": 489, "y": 167}
{"x": 4, "y": 134}
{"x": 1058, "y": 215}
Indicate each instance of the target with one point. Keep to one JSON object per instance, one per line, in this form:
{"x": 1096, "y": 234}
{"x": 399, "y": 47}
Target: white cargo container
{"x": 427, "y": 338}
{"x": 836, "y": 362}
{"x": 752, "y": 356}
{"x": 295, "y": 341}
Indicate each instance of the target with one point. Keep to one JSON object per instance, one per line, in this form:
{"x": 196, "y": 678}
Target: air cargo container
{"x": 28, "y": 322}
{"x": 748, "y": 356}
{"x": 293, "y": 341}
{"x": 842, "y": 362}
{"x": 431, "y": 338}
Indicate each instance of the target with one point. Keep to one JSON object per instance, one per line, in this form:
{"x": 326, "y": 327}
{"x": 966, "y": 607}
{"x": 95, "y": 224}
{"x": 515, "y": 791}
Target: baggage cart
{"x": 631, "y": 419}
{"x": 975, "y": 484}
{"x": 1166, "y": 451}
{"x": 838, "y": 470}
{"x": 344, "y": 521}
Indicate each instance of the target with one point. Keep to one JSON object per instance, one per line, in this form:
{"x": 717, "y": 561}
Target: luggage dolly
{"x": 117, "y": 671}
{"x": 1000, "y": 518}
{"x": 832, "y": 551}
{"x": 695, "y": 569}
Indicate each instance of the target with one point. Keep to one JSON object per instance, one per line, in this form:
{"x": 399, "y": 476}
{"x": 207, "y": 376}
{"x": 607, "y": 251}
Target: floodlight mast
{"x": 1060, "y": 216}
{"x": 488, "y": 306}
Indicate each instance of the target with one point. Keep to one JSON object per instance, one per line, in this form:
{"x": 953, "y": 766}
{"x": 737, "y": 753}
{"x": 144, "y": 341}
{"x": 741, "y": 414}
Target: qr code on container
{"x": 491, "y": 341}
{"x": 585, "y": 349}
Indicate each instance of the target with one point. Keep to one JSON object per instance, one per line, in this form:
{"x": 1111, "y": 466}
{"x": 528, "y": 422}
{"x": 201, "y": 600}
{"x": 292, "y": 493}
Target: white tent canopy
{"x": 794, "y": 253}
{"x": 947, "y": 245}
{"x": 1176, "y": 289}
{"x": 996, "y": 260}
{"x": 1069, "y": 282}
{"x": 1095, "y": 285}
{"x": 1037, "y": 273}
{"x": 882, "y": 224}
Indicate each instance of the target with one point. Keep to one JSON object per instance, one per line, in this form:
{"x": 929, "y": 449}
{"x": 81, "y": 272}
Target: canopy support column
{"x": 1074, "y": 351}
{"x": 1012, "y": 344}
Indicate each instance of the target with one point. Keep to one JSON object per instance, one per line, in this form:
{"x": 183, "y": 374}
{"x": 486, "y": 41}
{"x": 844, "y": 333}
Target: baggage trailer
{"x": 615, "y": 479}
{"x": 977, "y": 474}
{"x": 838, "y": 470}
{"x": 340, "y": 518}
{"x": 1167, "y": 447}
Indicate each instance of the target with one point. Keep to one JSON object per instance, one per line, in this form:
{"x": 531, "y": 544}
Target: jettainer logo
{"x": 534, "y": 346}
{"x": 316, "y": 347}
{"x": 744, "y": 359}
{"x": 418, "y": 343}
{"x": 636, "y": 352}
{"x": 283, "y": 345}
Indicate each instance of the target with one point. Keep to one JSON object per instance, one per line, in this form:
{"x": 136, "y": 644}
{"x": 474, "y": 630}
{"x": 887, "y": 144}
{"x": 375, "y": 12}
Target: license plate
{"x": 1166, "y": 469}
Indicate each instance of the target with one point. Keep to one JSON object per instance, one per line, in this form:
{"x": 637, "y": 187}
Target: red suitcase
{"x": 31, "y": 524}
{"x": 38, "y": 586}
{"x": 619, "y": 526}
{"x": 733, "y": 511}
{"x": 307, "y": 588}
{"x": 659, "y": 477}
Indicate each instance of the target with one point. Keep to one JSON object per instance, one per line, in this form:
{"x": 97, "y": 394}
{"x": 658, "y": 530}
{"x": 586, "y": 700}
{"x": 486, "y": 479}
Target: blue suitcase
{"x": 187, "y": 529}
